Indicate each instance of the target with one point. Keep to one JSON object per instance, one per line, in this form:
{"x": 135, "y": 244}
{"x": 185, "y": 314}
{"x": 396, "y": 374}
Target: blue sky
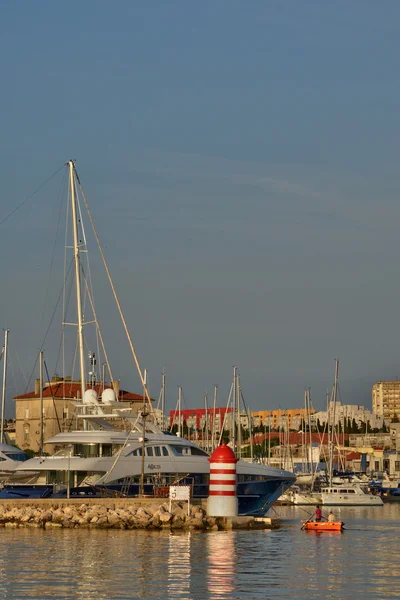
{"x": 241, "y": 163}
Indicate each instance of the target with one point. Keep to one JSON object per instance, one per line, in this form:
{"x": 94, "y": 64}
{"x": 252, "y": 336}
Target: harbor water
{"x": 361, "y": 562}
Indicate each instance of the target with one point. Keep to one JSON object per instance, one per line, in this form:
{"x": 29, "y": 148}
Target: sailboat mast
{"x": 335, "y": 385}
{"x": 41, "y": 401}
{"x": 3, "y": 396}
{"x": 205, "y": 440}
{"x": 234, "y": 409}
{"x": 239, "y": 425}
{"x": 71, "y": 165}
{"x": 163, "y": 401}
{"x": 303, "y": 437}
{"x": 214, "y": 416}
{"x": 310, "y": 433}
{"x": 180, "y": 411}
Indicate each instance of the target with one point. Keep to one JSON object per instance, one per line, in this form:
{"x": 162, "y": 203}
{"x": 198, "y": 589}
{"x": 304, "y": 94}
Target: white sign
{"x": 179, "y": 492}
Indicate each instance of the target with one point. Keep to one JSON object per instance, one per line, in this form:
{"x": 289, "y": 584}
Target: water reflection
{"x": 221, "y": 563}
{"x": 241, "y": 565}
{"x": 179, "y": 565}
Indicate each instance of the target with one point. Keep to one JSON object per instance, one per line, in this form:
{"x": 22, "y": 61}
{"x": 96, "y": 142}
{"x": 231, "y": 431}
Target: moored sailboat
{"x": 100, "y": 457}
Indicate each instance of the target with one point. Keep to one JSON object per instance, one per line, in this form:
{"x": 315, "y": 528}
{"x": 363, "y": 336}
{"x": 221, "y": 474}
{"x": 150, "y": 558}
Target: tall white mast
{"x": 205, "y": 440}
{"x": 310, "y": 433}
{"x": 71, "y": 165}
{"x": 41, "y": 401}
{"x": 335, "y": 385}
{"x": 234, "y": 410}
{"x": 163, "y": 401}
{"x": 180, "y": 429}
{"x": 214, "y": 417}
{"x": 3, "y": 396}
{"x": 238, "y": 420}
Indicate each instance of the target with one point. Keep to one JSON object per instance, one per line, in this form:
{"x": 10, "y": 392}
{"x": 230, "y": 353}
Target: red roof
{"x": 72, "y": 391}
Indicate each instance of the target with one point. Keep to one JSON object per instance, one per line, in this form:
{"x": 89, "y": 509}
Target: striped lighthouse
{"x": 222, "y": 500}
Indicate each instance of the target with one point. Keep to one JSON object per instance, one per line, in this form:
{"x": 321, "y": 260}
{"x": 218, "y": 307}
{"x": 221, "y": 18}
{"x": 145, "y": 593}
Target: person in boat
{"x": 318, "y": 514}
{"x": 331, "y": 516}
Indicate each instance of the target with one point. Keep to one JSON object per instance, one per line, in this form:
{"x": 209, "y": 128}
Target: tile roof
{"x": 72, "y": 390}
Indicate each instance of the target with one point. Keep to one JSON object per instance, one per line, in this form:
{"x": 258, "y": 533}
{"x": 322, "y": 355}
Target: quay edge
{"x": 121, "y": 513}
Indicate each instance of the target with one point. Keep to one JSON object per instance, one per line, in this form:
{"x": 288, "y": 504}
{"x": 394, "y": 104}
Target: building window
{"x": 377, "y": 465}
{"x": 27, "y": 413}
{"x": 397, "y": 465}
{"x": 65, "y": 413}
{"x": 26, "y": 433}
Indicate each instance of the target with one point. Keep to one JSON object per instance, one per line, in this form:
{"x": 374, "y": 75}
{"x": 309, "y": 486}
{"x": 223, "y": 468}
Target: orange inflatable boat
{"x": 322, "y": 525}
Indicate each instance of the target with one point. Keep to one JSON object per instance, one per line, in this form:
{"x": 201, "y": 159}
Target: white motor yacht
{"x": 348, "y": 495}
{"x": 105, "y": 460}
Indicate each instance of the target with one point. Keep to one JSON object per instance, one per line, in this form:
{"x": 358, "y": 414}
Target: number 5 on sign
{"x": 179, "y": 492}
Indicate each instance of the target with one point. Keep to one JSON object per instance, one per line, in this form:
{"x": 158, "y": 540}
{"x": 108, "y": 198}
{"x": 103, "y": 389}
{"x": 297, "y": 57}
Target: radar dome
{"x": 108, "y": 396}
{"x": 90, "y": 397}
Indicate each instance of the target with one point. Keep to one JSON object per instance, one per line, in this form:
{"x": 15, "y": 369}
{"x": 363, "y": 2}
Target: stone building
{"x": 58, "y": 410}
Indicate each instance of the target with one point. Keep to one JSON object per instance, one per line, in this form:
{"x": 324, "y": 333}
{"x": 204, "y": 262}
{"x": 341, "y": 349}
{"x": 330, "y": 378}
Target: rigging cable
{"x": 61, "y": 194}
{"x": 135, "y": 357}
{"x": 29, "y": 197}
{"x": 47, "y": 332}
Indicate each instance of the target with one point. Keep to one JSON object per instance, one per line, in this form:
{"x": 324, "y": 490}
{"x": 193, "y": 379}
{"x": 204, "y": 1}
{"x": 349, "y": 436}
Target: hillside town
{"x": 365, "y": 440}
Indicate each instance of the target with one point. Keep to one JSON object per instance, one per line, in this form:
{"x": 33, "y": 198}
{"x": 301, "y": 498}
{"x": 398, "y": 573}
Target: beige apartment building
{"x": 58, "y": 410}
{"x": 386, "y": 399}
{"x": 290, "y": 418}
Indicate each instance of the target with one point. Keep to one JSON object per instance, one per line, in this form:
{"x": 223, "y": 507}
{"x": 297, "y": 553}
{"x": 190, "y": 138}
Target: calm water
{"x": 362, "y": 562}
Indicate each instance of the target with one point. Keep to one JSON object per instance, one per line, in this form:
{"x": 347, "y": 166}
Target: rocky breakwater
{"x": 97, "y": 516}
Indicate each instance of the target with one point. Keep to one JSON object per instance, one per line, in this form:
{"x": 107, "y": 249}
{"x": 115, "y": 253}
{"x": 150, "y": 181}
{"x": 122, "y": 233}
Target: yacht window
{"x": 86, "y": 450}
{"x": 137, "y": 452}
{"x": 106, "y": 450}
{"x": 198, "y": 452}
{"x": 157, "y": 451}
{"x": 165, "y": 451}
{"x": 20, "y": 456}
{"x": 180, "y": 449}
{"x": 351, "y": 491}
{"x": 149, "y": 451}
{"x": 335, "y": 491}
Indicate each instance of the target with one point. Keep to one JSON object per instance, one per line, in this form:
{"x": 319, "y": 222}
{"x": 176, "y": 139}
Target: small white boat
{"x": 350, "y": 495}
{"x": 306, "y": 498}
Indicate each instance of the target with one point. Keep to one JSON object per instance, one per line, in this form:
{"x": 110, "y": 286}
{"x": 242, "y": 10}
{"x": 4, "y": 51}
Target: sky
{"x": 240, "y": 159}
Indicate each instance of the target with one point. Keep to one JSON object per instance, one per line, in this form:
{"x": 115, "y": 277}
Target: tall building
{"x": 386, "y": 399}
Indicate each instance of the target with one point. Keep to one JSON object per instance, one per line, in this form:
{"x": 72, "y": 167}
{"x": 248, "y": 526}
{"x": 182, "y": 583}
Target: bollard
{"x": 222, "y": 500}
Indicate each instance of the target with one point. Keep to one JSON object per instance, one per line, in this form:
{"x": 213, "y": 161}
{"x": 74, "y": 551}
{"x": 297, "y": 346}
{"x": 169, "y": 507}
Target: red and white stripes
{"x": 222, "y": 479}
{"x": 222, "y": 500}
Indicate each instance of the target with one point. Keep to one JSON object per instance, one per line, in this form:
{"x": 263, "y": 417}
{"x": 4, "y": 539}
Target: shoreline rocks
{"x": 97, "y": 516}
{"x": 121, "y": 513}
